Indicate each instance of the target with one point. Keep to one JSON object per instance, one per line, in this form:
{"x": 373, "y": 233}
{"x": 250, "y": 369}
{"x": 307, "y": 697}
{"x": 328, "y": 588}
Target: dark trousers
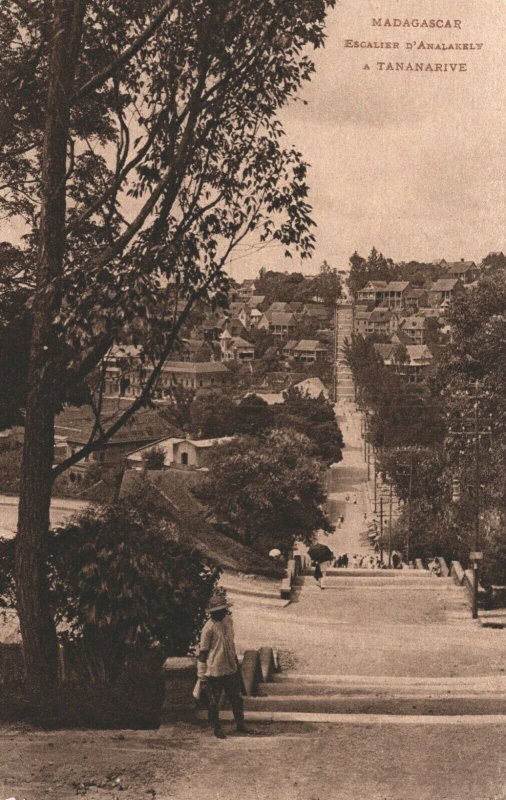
{"x": 231, "y": 685}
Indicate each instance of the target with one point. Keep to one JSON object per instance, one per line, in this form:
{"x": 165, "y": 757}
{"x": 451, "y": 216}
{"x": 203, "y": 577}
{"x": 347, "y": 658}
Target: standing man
{"x": 217, "y": 665}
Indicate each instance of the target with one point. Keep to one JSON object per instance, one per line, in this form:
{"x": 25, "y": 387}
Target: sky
{"x": 413, "y": 163}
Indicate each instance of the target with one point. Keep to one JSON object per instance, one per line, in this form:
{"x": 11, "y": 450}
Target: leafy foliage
{"x": 216, "y": 415}
{"x": 154, "y": 458}
{"x": 315, "y": 419}
{"x": 400, "y": 414}
{"x": 375, "y": 268}
{"x": 119, "y": 581}
{"x": 175, "y": 152}
{"x": 267, "y": 492}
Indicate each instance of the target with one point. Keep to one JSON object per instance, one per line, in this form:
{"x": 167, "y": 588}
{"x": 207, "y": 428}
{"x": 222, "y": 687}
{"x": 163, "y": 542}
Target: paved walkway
{"x": 348, "y": 479}
{"x": 393, "y": 644}
{"x": 402, "y": 626}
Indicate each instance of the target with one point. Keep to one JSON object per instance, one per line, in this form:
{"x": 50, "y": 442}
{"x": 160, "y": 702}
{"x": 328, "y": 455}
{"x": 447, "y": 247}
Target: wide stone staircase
{"x": 403, "y": 605}
{"x": 345, "y": 387}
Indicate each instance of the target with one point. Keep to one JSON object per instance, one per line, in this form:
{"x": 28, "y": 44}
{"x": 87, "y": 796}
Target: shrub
{"x": 154, "y": 458}
{"x": 120, "y": 583}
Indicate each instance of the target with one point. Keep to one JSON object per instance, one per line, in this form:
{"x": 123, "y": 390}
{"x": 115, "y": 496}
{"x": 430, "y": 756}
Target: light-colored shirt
{"x": 218, "y": 638}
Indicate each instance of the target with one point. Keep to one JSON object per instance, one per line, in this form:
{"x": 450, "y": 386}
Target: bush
{"x": 154, "y": 458}
{"x": 121, "y": 583}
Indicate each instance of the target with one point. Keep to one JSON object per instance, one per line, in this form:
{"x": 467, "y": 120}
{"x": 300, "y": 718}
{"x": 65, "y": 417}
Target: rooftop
{"x": 280, "y": 318}
{"x": 76, "y": 424}
{"x": 195, "y": 367}
{"x": 397, "y": 286}
{"x": 443, "y": 285}
{"x": 310, "y": 344}
{"x": 460, "y": 266}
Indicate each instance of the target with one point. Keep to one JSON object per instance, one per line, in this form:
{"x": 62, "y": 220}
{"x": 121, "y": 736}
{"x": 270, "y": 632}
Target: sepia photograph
{"x": 253, "y": 399}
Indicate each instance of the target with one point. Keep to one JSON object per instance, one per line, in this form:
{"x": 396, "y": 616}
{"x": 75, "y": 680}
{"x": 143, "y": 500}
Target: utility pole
{"x": 476, "y": 505}
{"x": 381, "y": 529}
{"x": 475, "y": 435}
{"x": 390, "y": 527}
{"x": 375, "y": 486}
{"x": 408, "y": 536}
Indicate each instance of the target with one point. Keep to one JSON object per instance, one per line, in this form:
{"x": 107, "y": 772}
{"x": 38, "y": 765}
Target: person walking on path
{"x": 217, "y": 666}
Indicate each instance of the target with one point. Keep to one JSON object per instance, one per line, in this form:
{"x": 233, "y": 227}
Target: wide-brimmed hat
{"x": 218, "y": 601}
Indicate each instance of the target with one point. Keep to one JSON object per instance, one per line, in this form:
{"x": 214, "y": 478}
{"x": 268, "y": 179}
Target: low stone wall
{"x": 469, "y": 585}
{"x": 293, "y": 568}
{"x": 457, "y": 573}
{"x": 465, "y": 577}
{"x": 443, "y": 566}
{"x": 180, "y": 677}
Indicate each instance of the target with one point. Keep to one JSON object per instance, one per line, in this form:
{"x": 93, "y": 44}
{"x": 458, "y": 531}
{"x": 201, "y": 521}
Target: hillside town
{"x": 252, "y": 402}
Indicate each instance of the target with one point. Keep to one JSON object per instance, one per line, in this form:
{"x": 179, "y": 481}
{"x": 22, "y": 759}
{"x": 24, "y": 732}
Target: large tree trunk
{"x": 36, "y": 621}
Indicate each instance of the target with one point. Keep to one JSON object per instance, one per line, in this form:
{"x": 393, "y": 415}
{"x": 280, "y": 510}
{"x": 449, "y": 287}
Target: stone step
{"x": 413, "y": 575}
{"x": 397, "y": 682}
{"x": 383, "y": 686}
{"x": 389, "y": 705}
{"x": 374, "y": 585}
{"x": 473, "y": 720}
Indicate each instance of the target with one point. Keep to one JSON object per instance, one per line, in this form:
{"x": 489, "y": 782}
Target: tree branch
{"x": 138, "y": 402}
{"x": 124, "y": 57}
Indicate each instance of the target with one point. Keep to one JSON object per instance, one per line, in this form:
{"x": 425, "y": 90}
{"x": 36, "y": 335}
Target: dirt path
{"x": 299, "y": 763}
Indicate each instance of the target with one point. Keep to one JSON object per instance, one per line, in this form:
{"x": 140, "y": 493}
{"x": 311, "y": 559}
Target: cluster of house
{"x": 223, "y": 337}
{"x": 130, "y": 445}
{"x": 401, "y": 315}
{"x": 148, "y": 429}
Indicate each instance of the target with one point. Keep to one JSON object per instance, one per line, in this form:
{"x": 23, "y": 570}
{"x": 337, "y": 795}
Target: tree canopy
{"x": 139, "y": 145}
{"x": 267, "y": 492}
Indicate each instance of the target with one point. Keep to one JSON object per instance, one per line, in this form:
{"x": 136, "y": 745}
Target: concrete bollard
{"x": 457, "y": 573}
{"x": 250, "y": 671}
{"x": 266, "y": 663}
{"x": 179, "y": 677}
{"x": 443, "y": 566}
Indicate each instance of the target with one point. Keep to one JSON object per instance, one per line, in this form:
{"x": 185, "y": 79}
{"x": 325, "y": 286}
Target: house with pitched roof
{"x": 415, "y": 327}
{"x": 443, "y": 291}
{"x": 178, "y": 451}
{"x": 281, "y": 323}
{"x": 75, "y": 425}
{"x": 371, "y": 292}
{"x": 307, "y": 351}
{"x": 413, "y": 367}
{"x": 317, "y": 311}
{"x": 392, "y": 294}
{"x": 241, "y": 312}
{"x": 380, "y": 321}
{"x": 466, "y": 271}
{"x": 235, "y": 348}
{"x": 414, "y": 299}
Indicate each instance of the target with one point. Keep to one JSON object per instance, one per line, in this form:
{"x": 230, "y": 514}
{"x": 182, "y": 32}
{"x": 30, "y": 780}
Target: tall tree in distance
{"x": 375, "y": 268}
{"x": 139, "y": 145}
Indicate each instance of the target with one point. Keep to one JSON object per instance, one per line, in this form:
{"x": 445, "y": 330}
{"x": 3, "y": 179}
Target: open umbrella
{"x": 274, "y": 553}
{"x": 320, "y": 553}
